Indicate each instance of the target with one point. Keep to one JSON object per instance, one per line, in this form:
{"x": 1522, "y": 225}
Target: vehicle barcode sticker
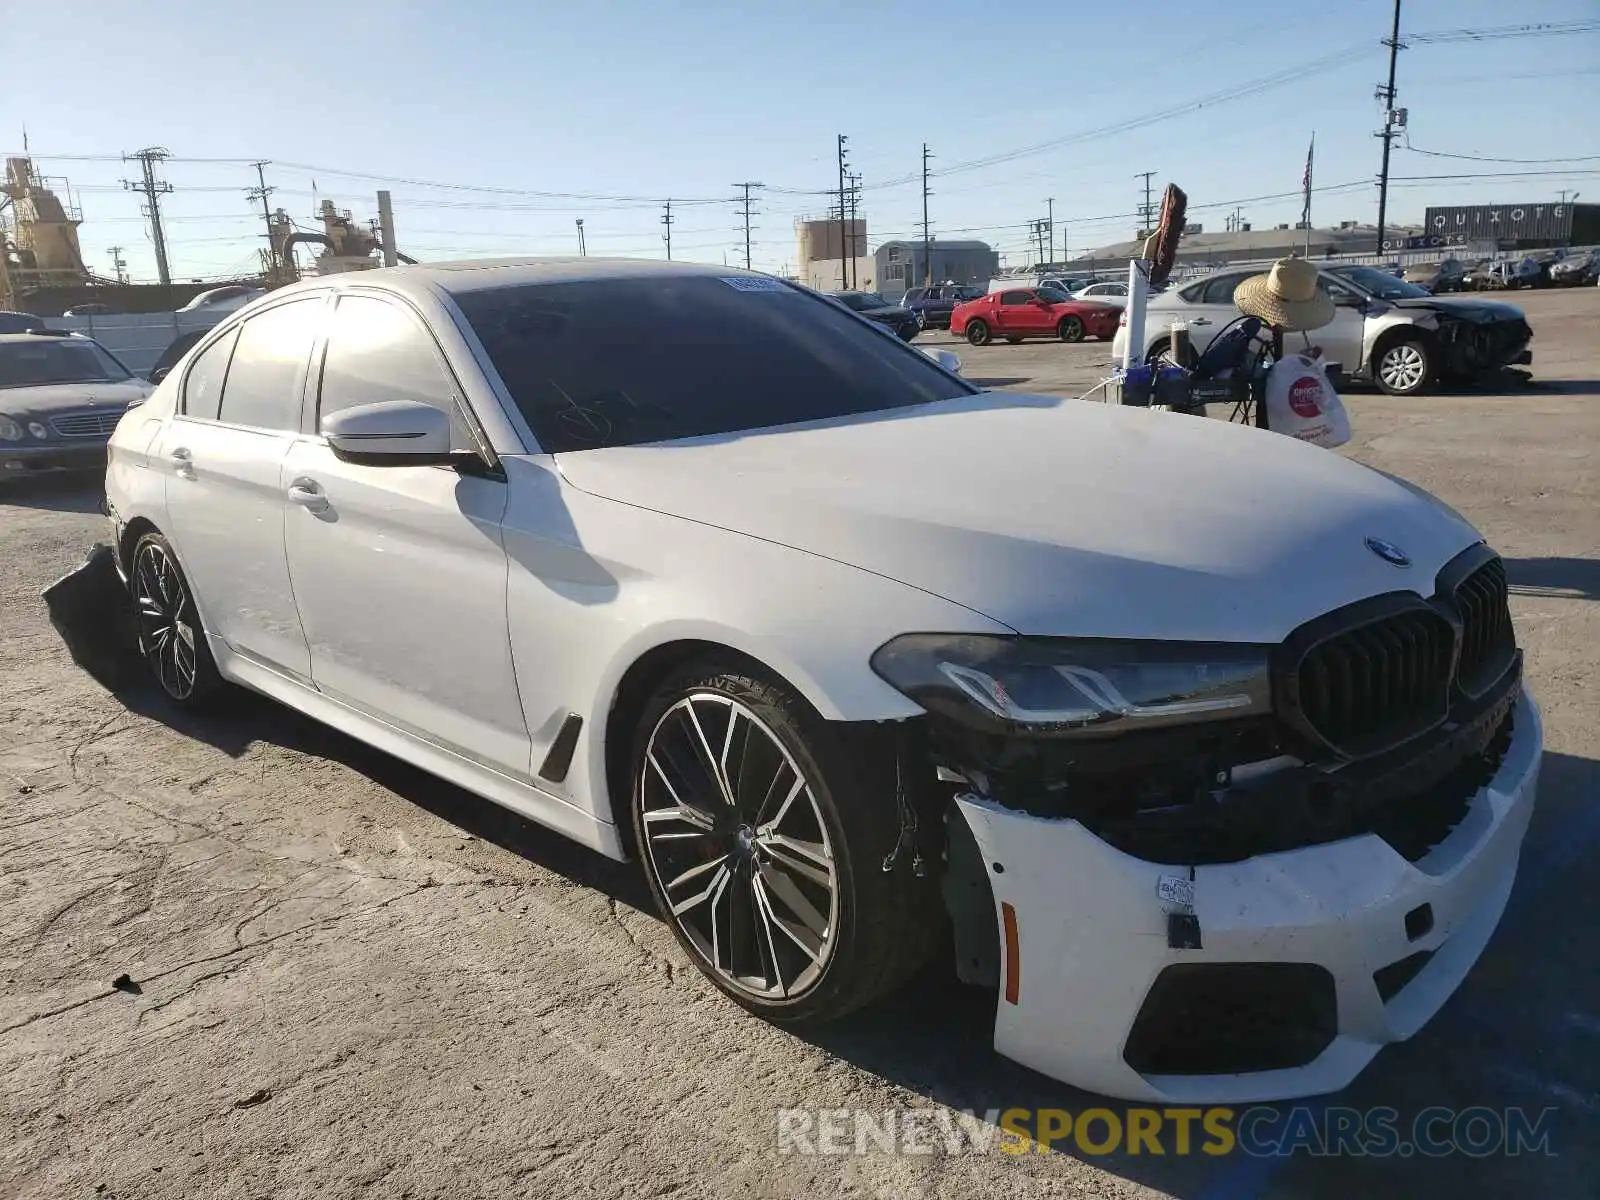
{"x": 755, "y": 283}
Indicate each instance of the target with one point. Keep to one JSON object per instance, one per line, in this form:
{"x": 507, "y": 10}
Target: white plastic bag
{"x": 1302, "y": 403}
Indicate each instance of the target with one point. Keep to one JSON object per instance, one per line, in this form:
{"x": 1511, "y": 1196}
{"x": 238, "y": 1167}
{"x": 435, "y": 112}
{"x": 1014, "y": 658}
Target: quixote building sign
{"x": 1542, "y": 222}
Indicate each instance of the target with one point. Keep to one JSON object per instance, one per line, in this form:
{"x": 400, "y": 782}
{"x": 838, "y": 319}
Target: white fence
{"x": 138, "y": 338}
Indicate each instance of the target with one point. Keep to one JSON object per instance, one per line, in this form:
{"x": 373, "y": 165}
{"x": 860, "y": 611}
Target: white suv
{"x": 1209, "y": 746}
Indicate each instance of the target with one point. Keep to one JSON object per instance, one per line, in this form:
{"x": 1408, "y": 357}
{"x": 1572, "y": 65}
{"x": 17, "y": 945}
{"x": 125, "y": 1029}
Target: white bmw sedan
{"x": 1206, "y": 749}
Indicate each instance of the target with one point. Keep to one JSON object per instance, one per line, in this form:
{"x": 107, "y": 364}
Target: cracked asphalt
{"x": 244, "y": 956}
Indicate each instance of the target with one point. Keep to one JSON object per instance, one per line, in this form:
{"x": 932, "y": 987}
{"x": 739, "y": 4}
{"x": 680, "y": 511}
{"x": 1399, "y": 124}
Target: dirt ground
{"x": 350, "y": 979}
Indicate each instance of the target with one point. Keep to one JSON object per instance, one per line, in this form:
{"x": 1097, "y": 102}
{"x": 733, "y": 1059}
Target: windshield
{"x": 1381, "y": 284}
{"x": 34, "y": 363}
{"x": 617, "y": 362}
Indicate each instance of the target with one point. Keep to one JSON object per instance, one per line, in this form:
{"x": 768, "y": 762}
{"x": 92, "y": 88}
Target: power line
{"x": 1501, "y": 32}
{"x": 1489, "y": 159}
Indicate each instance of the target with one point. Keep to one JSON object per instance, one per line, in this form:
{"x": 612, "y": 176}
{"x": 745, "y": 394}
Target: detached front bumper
{"x": 1346, "y": 945}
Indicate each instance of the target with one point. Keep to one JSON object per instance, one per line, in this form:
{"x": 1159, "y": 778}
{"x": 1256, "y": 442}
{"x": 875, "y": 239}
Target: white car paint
{"x": 456, "y": 621}
{"x": 1115, "y": 294}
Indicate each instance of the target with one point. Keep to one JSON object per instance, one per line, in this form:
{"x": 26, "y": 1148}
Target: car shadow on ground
{"x": 1572, "y": 578}
{"x": 66, "y": 491}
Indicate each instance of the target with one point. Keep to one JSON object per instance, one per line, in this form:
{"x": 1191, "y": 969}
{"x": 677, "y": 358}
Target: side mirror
{"x": 159, "y": 374}
{"x": 949, "y": 361}
{"x": 394, "y": 433}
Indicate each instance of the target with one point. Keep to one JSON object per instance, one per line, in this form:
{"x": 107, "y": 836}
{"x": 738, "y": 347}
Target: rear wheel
{"x": 171, "y": 639}
{"x": 1403, "y": 368}
{"x": 978, "y": 332}
{"x": 1070, "y": 329}
{"x": 762, "y": 835}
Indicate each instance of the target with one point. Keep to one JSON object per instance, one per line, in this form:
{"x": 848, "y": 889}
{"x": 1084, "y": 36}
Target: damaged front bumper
{"x": 1304, "y": 962}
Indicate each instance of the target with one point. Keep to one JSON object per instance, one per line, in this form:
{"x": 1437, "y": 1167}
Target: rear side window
{"x": 263, "y": 386}
{"x": 617, "y": 362}
{"x": 1220, "y": 289}
{"x": 378, "y": 351}
{"x": 202, "y": 389}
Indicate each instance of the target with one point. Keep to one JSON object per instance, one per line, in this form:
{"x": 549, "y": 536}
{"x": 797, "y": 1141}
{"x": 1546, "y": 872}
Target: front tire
{"x": 1404, "y": 368}
{"x": 978, "y": 332}
{"x": 172, "y": 641}
{"x": 762, "y": 835}
{"x": 1070, "y": 329}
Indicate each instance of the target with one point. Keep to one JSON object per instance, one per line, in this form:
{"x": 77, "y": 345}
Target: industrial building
{"x": 832, "y": 254}
{"x": 904, "y": 265}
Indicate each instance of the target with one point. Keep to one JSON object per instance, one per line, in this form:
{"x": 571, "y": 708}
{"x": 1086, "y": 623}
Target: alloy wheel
{"x": 739, "y": 848}
{"x": 167, "y": 627}
{"x": 1403, "y": 367}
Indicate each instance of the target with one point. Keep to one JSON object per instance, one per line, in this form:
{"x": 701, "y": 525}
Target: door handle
{"x": 307, "y": 493}
{"x": 1201, "y": 321}
{"x": 182, "y": 462}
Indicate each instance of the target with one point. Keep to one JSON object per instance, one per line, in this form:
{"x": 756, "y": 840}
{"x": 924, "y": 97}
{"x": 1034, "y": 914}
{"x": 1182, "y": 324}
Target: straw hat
{"x": 1286, "y": 296}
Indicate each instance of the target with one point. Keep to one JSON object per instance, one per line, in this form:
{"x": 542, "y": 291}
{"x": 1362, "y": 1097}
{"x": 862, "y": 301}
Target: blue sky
{"x": 619, "y": 99}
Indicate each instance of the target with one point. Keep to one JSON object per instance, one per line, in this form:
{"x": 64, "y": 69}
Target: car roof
{"x": 43, "y": 335}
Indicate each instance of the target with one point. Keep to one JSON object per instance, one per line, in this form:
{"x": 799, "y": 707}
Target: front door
{"x": 1341, "y": 339}
{"x": 223, "y": 453}
{"x": 400, "y": 572}
{"x": 1014, "y": 313}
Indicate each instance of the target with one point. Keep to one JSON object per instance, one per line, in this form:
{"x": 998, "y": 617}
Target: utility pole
{"x": 1050, "y": 203}
{"x": 261, "y": 193}
{"x": 855, "y": 211}
{"x": 666, "y": 222}
{"x": 927, "y": 237}
{"x": 152, "y": 189}
{"x": 1575, "y": 196}
{"x": 391, "y": 252}
{"x": 1146, "y": 210}
{"x": 842, "y": 212}
{"x": 1387, "y": 95}
{"x": 747, "y": 186}
{"x": 119, "y": 264}
{"x": 582, "y": 250}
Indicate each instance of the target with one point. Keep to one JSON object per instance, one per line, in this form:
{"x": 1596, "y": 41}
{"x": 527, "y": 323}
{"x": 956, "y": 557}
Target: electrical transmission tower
{"x": 1147, "y": 210}
{"x": 747, "y": 211}
{"x": 152, "y": 188}
{"x": 1393, "y": 119}
{"x": 927, "y": 236}
{"x": 261, "y": 192}
{"x": 666, "y": 222}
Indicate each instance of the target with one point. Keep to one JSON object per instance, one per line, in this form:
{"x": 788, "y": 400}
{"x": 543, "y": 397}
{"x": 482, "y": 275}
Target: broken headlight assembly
{"x": 1069, "y": 688}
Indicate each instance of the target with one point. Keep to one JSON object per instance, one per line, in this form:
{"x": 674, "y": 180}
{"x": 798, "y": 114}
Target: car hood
{"x": 1058, "y": 517}
{"x": 62, "y": 397}
{"x": 1465, "y": 307}
{"x": 892, "y": 312}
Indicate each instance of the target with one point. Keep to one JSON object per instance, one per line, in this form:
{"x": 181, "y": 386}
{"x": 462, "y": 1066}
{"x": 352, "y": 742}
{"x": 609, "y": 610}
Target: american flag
{"x": 1305, "y": 180}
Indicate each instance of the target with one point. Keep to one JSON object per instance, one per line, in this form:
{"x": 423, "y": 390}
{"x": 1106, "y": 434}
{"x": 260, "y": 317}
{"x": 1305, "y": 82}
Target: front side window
{"x": 50, "y": 360}
{"x": 618, "y": 362}
{"x": 263, "y": 385}
{"x": 378, "y": 351}
{"x": 1382, "y": 284}
{"x": 202, "y": 388}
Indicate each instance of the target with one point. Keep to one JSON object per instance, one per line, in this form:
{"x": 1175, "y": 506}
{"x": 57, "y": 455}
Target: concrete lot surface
{"x": 350, "y": 979}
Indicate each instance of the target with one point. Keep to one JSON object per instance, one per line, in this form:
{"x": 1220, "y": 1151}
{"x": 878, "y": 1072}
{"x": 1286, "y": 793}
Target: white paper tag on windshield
{"x": 1175, "y": 889}
{"x": 755, "y": 283}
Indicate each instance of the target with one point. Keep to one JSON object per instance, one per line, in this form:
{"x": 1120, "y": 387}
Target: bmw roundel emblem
{"x": 1389, "y": 552}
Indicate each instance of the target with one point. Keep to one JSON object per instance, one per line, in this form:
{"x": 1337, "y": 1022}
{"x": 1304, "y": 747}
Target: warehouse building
{"x": 1531, "y": 226}
{"x": 903, "y": 265}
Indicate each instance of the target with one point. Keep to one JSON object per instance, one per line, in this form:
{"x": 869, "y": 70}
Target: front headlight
{"x": 1068, "y": 687}
{"x": 10, "y": 431}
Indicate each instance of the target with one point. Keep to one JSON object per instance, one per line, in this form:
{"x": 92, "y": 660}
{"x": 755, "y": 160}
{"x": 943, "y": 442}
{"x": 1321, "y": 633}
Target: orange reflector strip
{"x": 1008, "y": 916}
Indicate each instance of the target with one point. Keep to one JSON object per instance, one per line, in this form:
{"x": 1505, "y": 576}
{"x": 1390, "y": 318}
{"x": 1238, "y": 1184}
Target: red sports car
{"x": 1034, "y": 312}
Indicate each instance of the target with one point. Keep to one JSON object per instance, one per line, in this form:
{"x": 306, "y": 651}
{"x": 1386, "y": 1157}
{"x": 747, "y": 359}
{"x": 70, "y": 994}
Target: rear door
{"x": 223, "y": 454}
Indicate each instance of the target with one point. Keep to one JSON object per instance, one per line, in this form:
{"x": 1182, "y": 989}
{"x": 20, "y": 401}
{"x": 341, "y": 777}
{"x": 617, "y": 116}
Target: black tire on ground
{"x": 879, "y": 926}
{"x": 1403, "y": 367}
{"x": 172, "y": 640}
{"x": 1013, "y": 341}
{"x": 1070, "y": 329}
{"x": 978, "y": 332}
